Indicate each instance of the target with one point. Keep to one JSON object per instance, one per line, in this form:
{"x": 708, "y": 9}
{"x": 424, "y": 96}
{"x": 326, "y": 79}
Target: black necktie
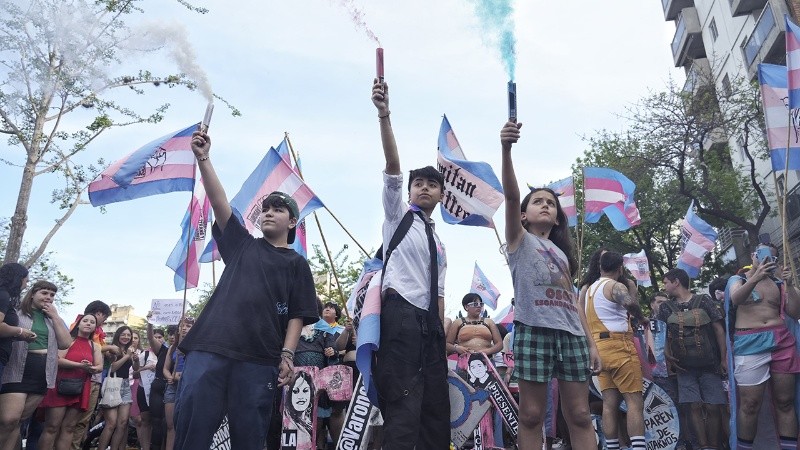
{"x": 433, "y": 306}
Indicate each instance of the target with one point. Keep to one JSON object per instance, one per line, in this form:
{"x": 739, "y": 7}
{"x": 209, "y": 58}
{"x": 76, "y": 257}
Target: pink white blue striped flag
{"x": 163, "y": 165}
{"x": 774, "y": 98}
{"x": 566, "y": 197}
{"x": 365, "y": 303}
{"x": 483, "y": 287}
{"x": 609, "y": 192}
{"x": 640, "y": 268}
{"x": 183, "y": 259}
{"x": 272, "y": 174}
{"x": 506, "y": 317}
{"x": 472, "y": 192}
{"x": 793, "y": 61}
{"x": 299, "y": 244}
{"x": 697, "y": 239}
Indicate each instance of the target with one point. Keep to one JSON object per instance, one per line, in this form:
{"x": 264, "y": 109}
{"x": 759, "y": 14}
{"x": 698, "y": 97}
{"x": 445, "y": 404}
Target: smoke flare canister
{"x": 207, "y": 118}
{"x": 379, "y": 63}
{"x": 512, "y": 101}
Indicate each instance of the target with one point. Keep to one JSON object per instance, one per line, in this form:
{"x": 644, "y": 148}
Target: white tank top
{"x": 614, "y": 316}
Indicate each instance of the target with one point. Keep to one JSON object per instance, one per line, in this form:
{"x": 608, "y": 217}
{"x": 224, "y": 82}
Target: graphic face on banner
{"x": 478, "y": 371}
{"x": 300, "y": 406}
{"x": 301, "y": 394}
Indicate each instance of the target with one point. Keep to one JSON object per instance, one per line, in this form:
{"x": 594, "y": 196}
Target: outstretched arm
{"x": 201, "y": 147}
{"x": 509, "y": 135}
{"x": 380, "y": 98}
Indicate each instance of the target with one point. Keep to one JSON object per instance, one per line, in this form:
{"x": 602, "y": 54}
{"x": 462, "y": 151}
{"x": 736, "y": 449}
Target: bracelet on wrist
{"x": 203, "y": 158}
{"x": 385, "y": 115}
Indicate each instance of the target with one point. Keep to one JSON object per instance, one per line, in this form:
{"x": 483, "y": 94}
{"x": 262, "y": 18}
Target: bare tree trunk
{"x": 794, "y": 9}
{"x": 19, "y": 221}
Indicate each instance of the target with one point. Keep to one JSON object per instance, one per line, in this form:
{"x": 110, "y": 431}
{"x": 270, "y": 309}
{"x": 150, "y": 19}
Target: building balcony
{"x": 687, "y": 44}
{"x": 767, "y": 43}
{"x": 698, "y": 75}
{"x": 672, "y": 8}
{"x": 744, "y": 7}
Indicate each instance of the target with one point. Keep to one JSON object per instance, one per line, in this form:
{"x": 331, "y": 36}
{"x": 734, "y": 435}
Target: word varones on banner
{"x": 300, "y": 402}
{"x": 483, "y": 375}
{"x": 356, "y": 430}
{"x": 661, "y": 426}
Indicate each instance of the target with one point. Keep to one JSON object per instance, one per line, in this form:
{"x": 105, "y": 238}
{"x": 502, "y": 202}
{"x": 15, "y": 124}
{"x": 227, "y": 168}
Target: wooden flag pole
{"x": 324, "y": 241}
{"x": 580, "y": 228}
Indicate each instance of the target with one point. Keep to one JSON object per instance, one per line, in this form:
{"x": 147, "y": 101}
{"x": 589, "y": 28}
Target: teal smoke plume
{"x": 497, "y": 21}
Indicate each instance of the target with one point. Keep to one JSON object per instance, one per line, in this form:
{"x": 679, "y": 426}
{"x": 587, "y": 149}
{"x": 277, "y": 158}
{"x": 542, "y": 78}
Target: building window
{"x": 713, "y": 28}
{"x": 726, "y": 85}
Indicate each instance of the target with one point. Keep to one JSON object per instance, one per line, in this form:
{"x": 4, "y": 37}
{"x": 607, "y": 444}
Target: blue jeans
{"x": 213, "y": 386}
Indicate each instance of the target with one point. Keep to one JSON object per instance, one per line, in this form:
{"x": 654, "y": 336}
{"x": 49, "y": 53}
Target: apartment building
{"x": 721, "y": 41}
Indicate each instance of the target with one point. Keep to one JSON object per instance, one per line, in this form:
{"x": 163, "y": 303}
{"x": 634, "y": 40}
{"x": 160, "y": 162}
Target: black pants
{"x": 411, "y": 376}
{"x": 158, "y": 423}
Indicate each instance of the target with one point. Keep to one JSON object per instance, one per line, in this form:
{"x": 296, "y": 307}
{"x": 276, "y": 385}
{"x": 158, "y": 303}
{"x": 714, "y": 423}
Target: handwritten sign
{"x": 166, "y": 311}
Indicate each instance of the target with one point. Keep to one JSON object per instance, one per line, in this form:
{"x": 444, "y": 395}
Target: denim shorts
{"x": 169, "y": 393}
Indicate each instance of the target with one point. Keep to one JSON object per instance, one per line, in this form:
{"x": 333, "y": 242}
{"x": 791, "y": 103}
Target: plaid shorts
{"x": 544, "y": 353}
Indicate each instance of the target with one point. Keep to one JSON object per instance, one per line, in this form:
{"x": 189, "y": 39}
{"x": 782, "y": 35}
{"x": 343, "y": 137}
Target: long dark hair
{"x": 118, "y": 334}
{"x": 299, "y": 417}
{"x": 11, "y": 276}
{"x": 559, "y": 234}
{"x": 75, "y": 329}
{"x": 592, "y": 273}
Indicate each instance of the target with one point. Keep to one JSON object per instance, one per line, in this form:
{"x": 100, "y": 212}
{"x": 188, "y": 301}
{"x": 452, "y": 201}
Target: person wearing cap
{"x": 241, "y": 348}
{"x": 411, "y": 367}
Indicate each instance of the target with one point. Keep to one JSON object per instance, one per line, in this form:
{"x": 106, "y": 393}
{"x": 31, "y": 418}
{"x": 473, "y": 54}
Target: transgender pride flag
{"x": 299, "y": 244}
{"x": 774, "y": 98}
{"x": 183, "y": 259}
{"x": 365, "y": 302}
{"x": 639, "y": 267}
{"x": 697, "y": 239}
{"x": 472, "y": 192}
{"x": 793, "y": 61}
{"x": 565, "y": 189}
{"x": 164, "y": 165}
{"x": 609, "y": 192}
{"x": 272, "y": 174}
{"x": 483, "y": 287}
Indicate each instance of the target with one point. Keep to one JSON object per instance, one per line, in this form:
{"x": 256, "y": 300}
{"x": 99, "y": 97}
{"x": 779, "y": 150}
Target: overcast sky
{"x": 302, "y": 67}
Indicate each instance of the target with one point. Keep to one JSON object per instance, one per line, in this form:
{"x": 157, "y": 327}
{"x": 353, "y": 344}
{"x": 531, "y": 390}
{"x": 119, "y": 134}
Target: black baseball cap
{"x": 286, "y": 200}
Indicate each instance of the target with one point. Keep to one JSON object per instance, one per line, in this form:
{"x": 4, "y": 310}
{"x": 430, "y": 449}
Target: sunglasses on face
{"x": 475, "y": 304}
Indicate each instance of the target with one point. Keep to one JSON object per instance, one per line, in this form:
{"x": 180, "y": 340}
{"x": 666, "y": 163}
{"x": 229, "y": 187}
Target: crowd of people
{"x": 264, "y": 318}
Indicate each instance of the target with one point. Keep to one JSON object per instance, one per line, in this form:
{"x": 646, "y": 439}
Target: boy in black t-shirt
{"x": 242, "y": 346}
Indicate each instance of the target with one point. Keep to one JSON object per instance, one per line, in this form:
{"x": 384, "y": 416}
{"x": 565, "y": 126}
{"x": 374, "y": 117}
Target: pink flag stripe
{"x": 605, "y": 184}
{"x": 169, "y": 171}
{"x": 697, "y": 237}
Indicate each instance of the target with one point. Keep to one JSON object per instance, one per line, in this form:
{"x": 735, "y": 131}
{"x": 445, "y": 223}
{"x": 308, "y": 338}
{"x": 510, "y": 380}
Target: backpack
{"x": 693, "y": 341}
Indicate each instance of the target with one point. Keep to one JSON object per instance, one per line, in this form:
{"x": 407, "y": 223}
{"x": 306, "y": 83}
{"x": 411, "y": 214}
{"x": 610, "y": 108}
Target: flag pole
{"x": 324, "y": 241}
{"x": 366, "y": 253}
{"x": 500, "y": 241}
{"x": 213, "y": 275}
{"x": 188, "y": 246}
{"x": 580, "y": 228}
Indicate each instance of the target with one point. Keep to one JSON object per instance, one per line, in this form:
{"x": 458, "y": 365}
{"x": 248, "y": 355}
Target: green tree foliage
{"x": 676, "y": 151}
{"x": 62, "y": 86}
{"x": 43, "y": 269}
{"x": 348, "y": 269}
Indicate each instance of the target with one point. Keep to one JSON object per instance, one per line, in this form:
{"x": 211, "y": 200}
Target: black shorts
{"x": 141, "y": 400}
{"x": 34, "y": 377}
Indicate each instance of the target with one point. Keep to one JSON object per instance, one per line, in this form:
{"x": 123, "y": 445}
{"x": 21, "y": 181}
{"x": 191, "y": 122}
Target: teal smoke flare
{"x": 496, "y": 19}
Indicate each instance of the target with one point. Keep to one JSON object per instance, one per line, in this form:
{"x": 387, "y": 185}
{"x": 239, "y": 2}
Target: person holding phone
{"x": 763, "y": 348}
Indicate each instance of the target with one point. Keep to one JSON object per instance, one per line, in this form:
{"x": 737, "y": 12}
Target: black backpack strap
{"x": 399, "y": 235}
